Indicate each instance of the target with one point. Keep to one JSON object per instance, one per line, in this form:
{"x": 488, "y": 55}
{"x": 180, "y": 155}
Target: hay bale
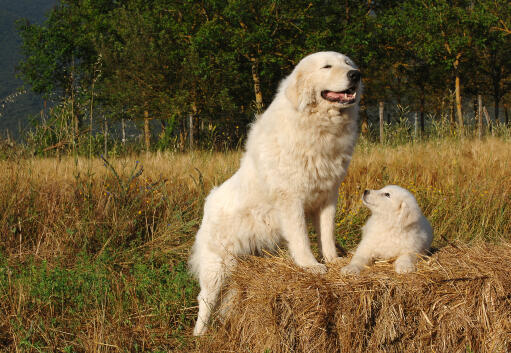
{"x": 459, "y": 300}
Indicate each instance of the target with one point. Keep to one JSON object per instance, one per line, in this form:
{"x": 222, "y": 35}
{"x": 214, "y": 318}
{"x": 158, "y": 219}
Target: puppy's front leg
{"x": 324, "y": 222}
{"x": 360, "y": 259}
{"x": 405, "y": 263}
{"x": 294, "y": 231}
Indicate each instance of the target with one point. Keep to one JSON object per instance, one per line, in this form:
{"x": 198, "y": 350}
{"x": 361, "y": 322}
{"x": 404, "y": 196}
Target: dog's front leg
{"x": 324, "y": 222}
{"x": 294, "y": 231}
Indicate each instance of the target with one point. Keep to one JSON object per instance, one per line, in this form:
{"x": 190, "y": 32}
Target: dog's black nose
{"x": 366, "y": 192}
{"x": 354, "y": 75}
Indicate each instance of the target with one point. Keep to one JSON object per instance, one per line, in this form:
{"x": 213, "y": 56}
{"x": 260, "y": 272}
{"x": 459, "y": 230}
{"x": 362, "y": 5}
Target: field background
{"x": 93, "y": 253}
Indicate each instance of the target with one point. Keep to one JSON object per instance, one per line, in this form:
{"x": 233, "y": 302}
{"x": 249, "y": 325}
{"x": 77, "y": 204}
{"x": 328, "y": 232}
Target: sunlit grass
{"x": 92, "y": 258}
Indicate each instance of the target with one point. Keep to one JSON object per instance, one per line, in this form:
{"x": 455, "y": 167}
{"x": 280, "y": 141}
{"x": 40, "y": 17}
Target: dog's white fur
{"x": 297, "y": 154}
{"x": 396, "y": 229}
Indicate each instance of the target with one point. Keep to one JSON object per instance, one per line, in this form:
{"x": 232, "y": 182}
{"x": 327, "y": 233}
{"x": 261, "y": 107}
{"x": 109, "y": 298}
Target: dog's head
{"x": 325, "y": 80}
{"x": 395, "y": 202}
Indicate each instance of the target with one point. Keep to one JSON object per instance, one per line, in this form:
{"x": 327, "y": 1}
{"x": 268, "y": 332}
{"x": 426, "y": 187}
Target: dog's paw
{"x": 316, "y": 269}
{"x": 404, "y": 266}
{"x": 351, "y": 269}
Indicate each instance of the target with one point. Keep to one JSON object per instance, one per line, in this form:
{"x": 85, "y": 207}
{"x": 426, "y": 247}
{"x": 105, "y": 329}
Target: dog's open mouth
{"x": 344, "y": 97}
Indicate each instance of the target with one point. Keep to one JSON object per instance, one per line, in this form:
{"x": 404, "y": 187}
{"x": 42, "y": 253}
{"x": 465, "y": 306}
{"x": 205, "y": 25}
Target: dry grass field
{"x": 93, "y": 254}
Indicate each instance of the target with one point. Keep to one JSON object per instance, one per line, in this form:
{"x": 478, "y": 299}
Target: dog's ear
{"x": 300, "y": 92}
{"x": 405, "y": 214}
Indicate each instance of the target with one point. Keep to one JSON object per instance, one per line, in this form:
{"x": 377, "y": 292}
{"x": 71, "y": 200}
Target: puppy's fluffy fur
{"x": 396, "y": 229}
{"x": 297, "y": 154}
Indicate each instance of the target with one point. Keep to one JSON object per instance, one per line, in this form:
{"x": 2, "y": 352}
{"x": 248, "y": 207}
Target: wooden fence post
{"x": 479, "y": 116}
{"x": 123, "y": 127}
{"x": 105, "y": 135}
{"x": 416, "y": 126}
{"x": 147, "y": 131}
{"x": 381, "y": 122}
{"x": 488, "y": 120}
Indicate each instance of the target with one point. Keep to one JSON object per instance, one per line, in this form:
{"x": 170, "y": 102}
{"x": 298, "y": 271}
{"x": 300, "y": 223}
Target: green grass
{"x": 54, "y": 304}
{"x": 93, "y": 256}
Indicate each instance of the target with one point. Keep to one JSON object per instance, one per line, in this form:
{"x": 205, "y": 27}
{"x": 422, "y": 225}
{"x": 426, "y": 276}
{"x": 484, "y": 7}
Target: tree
{"x": 241, "y": 42}
{"x": 59, "y": 56}
{"x": 441, "y": 35}
{"x": 492, "y": 48}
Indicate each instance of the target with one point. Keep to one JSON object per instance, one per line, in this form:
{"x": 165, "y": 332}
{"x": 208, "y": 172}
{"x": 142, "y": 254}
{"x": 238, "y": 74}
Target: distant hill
{"x": 16, "y": 115}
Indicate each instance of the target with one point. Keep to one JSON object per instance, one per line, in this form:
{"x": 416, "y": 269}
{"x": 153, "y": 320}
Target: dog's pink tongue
{"x": 335, "y": 95}
{"x": 339, "y": 96}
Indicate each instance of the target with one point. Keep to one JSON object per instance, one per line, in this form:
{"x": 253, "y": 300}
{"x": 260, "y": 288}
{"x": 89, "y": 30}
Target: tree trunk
{"x": 105, "y": 135}
{"x": 364, "y": 126}
{"x": 257, "y": 86}
{"x": 474, "y": 101}
{"x": 451, "y": 112}
{"x": 496, "y": 79}
{"x": 381, "y": 105}
{"x": 459, "y": 113}
{"x": 422, "y": 117}
{"x": 506, "y": 114}
{"x": 496, "y": 100}
{"x": 457, "y": 89}
{"x": 190, "y": 130}
{"x": 416, "y": 126}
{"x": 191, "y": 125}
{"x": 147, "y": 131}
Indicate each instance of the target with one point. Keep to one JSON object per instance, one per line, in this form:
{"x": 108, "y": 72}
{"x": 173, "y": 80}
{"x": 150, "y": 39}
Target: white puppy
{"x": 297, "y": 155}
{"x": 396, "y": 229}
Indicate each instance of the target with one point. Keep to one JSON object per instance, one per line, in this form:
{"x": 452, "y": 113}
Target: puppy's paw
{"x": 318, "y": 269}
{"x": 404, "y": 266}
{"x": 351, "y": 269}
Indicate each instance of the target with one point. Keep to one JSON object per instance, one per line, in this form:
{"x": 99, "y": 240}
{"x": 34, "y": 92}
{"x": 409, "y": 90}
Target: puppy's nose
{"x": 366, "y": 192}
{"x": 354, "y": 75}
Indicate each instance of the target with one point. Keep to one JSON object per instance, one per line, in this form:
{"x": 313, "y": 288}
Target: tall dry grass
{"x": 464, "y": 187}
{"x": 93, "y": 257}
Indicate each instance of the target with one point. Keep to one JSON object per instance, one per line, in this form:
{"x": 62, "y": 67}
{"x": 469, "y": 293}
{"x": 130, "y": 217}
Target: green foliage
{"x": 220, "y": 61}
{"x": 57, "y": 54}
{"x": 55, "y": 132}
{"x": 97, "y": 285}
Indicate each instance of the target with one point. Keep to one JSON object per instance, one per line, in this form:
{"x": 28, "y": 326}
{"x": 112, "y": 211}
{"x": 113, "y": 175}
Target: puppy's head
{"x": 326, "y": 80}
{"x": 395, "y": 202}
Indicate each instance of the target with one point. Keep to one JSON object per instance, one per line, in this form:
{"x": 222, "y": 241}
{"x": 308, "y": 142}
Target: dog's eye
{"x": 327, "y": 66}
{"x": 387, "y": 194}
{"x": 348, "y": 62}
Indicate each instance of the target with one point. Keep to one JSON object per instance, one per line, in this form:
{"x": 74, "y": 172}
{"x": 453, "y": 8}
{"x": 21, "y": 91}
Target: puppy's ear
{"x": 405, "y": 214}
{"x": 300, "y": 92}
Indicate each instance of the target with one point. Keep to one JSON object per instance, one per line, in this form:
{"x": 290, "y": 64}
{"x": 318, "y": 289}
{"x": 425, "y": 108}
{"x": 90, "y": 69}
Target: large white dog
{"x": 396, "y": 229}
{"x": 297, "y": 154}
